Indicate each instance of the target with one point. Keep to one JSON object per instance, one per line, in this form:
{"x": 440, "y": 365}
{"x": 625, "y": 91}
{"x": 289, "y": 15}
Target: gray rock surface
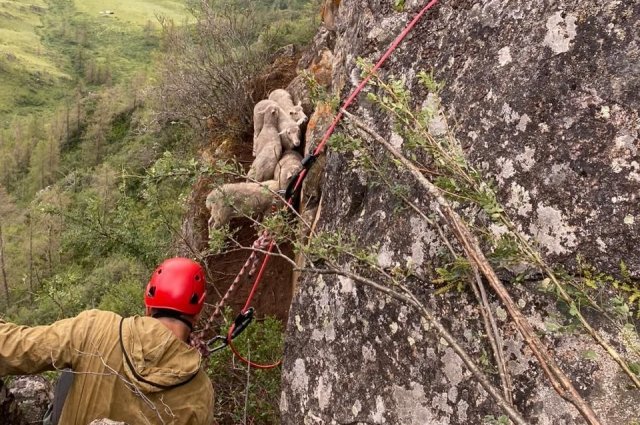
{"x": 544, "y": 96}
{"x": 33, "y": 394}
{"x": 545, "y": 100}
{"x": 10, "y": 413}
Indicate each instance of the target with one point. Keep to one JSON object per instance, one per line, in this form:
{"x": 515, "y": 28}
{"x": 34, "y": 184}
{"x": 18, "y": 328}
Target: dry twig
{"x": 408, "y": 298}
{"x": 471, "y": 248}
{"x": 493, "y": 334}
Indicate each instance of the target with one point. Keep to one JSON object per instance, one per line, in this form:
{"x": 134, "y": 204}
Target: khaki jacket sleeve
{"x": 27, "y": 350}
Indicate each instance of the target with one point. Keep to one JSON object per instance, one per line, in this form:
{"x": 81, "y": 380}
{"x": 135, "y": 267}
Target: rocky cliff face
{"x": 9, "y": 409}
{"x": 544, "y": 97}
{"x": 25, "y": 400}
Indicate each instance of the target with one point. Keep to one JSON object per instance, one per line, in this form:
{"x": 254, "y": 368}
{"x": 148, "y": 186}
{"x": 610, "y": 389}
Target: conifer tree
{"x": 7, "y": 210}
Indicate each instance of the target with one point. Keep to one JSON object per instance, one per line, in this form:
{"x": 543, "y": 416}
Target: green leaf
{"x": 552, "y": 326}
{"x": 590, "y": 355}
{"x": 590, "y": 283}
{"x": 573, "y": 310}
{"x": 445, "y": 289}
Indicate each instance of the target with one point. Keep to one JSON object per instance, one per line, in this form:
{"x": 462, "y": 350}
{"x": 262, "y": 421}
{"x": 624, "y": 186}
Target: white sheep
{"x": 269, "y": 146}
{"x": 284, "y": 100}
{"x": 288, "y": 129}
{"x": 288, "y": 166}
{"x": 245, "y": 199}
{"x": 258, "y": 120}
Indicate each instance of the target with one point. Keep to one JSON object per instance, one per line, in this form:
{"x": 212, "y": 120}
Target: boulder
{"x": 33, "y": 393}
{"x": 9, "y": 410}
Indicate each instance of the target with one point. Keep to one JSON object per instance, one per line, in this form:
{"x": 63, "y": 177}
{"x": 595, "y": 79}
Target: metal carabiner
{"x": 239, "y": 324}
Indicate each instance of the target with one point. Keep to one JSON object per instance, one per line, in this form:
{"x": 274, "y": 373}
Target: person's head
{"x": 176, "y": 290}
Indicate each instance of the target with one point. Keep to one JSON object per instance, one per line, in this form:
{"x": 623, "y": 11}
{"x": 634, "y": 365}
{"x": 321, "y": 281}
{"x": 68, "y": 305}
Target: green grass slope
{"x": 28, "y": 71}
{"x": 46, "y": 47}
{"x": 137, "y": 12}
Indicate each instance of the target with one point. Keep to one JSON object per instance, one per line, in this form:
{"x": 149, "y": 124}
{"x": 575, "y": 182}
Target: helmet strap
{"x": 172, "y": 314}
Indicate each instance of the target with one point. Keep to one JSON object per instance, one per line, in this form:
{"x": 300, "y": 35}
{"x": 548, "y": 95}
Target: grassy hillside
{"x": 47, "y": 46}
{"x": 136, "y": 12}
{"x": 19, "y": 41}
{"x": 28, "y": 71}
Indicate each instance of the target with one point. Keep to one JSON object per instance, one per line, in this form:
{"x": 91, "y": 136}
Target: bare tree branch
{"x": 472, "y": 250}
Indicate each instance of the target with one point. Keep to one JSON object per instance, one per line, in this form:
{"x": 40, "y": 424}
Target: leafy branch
{"x": 475, "y": 255}
{"x": 464, "y": 181}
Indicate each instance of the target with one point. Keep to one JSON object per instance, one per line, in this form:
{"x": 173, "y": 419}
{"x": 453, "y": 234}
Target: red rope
{"x": 364, "y": 82}
{"x": 247, "y": 361}
{"x": 258, "y": 277}
{"x": 318, "y": 150}
{"x": 198, "y": 337}
{"x": 246, "y": 307}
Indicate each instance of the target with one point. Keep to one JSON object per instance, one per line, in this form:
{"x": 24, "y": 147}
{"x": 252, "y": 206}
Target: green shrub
{"x": 209, "y": 69}
{"x": 124, "y": 298}
{"x": 262, "y": 342}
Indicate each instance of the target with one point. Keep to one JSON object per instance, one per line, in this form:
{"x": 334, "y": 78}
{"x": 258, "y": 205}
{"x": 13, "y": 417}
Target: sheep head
{"x": 290, "y": 137}
{"x": 297, "y": 114}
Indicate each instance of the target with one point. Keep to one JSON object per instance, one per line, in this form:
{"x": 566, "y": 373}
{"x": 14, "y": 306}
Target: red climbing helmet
{"x": 177, "y": 284}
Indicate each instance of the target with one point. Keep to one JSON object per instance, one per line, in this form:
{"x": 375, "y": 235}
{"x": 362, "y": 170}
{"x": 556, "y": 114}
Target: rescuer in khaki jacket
{"x": 138, "y": 370}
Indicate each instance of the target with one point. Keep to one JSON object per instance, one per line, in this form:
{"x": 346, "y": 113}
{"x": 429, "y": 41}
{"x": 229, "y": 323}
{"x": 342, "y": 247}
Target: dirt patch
{"x": 273, "y": 296}
{"x": 275, "y": 291}
{"x": 277, "y": 76}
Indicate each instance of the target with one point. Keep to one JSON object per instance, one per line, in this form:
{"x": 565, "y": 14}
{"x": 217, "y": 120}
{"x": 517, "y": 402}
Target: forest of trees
{"x": 96, "y": 168}
{"x": 82, "y": 221}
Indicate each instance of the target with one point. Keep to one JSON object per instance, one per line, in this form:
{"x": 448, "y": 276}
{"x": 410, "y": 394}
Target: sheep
{"x": 288, "y": 129}
{"x": 239, "y": 200}
{"x": 270, "y": 146}
{"x": 283, "y": 98}
{"x": 288, "y": 166}
{"x": 258, "y": 120}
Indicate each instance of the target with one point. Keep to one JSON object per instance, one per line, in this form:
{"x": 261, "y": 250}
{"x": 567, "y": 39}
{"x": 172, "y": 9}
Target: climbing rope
{"x": 252, "y": 262}
{"x": 259, "y": 244}
{"x": 296, "y": 181}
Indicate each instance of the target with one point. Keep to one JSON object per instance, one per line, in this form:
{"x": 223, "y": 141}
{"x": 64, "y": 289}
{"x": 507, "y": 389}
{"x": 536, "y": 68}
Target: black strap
{"x": 59, "y": 396}
{"x": 162, "y": 312}
{"x": 292, "y": 191}
{"x": 140, "y": 378}
{"x": 308, "y": 161}
{"x": 241, "y": 322}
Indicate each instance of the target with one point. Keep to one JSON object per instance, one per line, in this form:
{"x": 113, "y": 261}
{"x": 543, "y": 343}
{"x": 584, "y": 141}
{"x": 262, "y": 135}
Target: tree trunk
{"x": 30, "y": 258}
{"x": 4, "y": 269}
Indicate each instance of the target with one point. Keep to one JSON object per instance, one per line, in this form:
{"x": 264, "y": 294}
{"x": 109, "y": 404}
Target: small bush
{"x": 124, "y": 298}
{"x": 209, "y": 68}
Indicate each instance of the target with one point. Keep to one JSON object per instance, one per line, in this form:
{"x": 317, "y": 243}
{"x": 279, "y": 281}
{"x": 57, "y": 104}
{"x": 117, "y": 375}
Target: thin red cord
{"x": 318, "y": 150}
{"x": 364, "y": 82}
{"x": 258, "y": 277}
{"x": 247, "y": 361}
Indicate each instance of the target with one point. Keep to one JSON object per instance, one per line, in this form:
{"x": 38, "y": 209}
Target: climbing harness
{"x": 292, "y": 191}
